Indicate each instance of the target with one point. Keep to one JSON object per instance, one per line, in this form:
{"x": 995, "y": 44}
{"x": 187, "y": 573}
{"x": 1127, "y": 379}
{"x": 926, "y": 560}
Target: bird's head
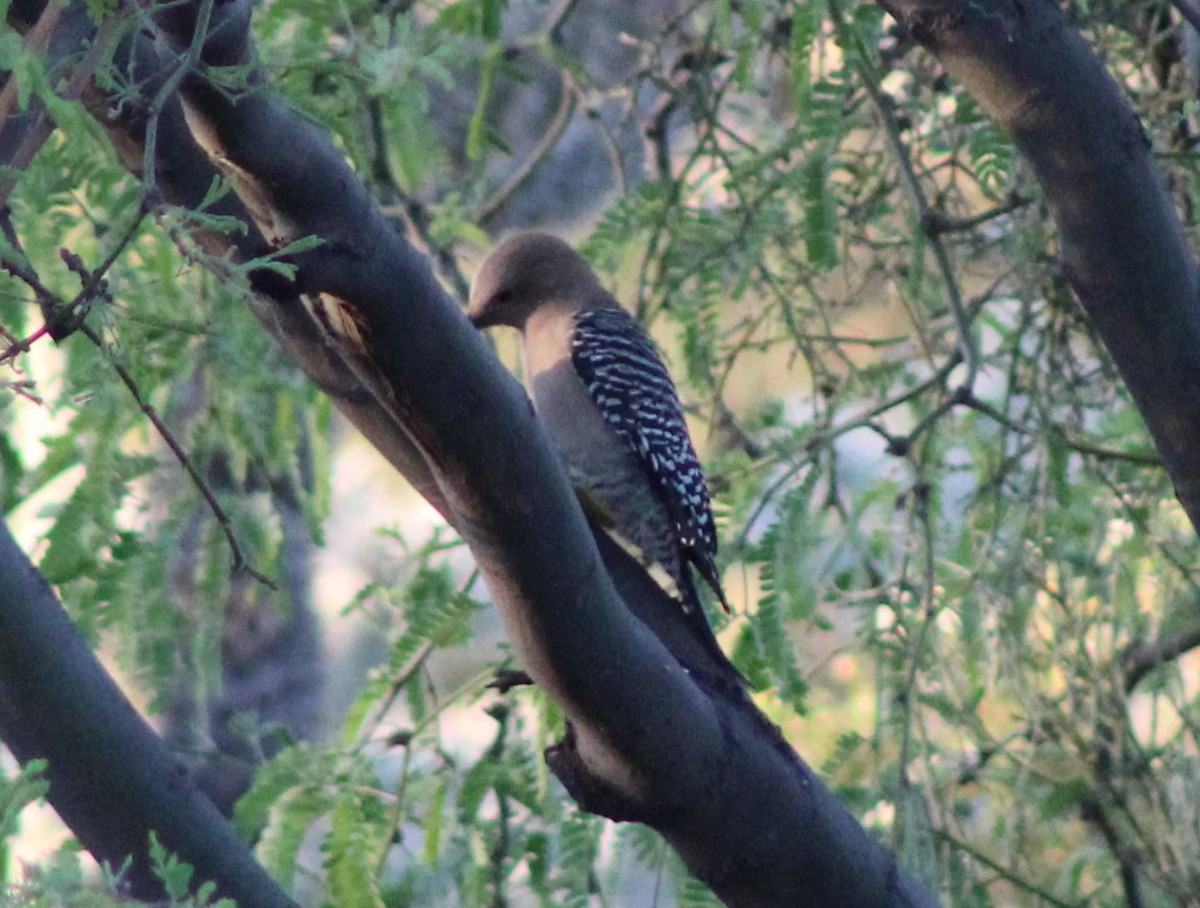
{"x": 525, "y": 272}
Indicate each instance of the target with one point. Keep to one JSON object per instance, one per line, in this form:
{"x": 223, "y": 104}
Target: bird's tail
{"x": 708, "y": 570}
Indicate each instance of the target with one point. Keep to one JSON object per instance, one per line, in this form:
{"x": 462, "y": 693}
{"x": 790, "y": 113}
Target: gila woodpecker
{"x": 609, "y": 405}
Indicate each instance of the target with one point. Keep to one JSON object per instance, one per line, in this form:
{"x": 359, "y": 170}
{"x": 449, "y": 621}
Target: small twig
{"x": 554, "y": 131}
{"x": 183, "y": 66}
{"x": 827, "y": 436}
{"x": 938, "y": 223}
{"x": 240, "y": 564}
{"x": 397, "y": 814}
{"x": 508, "y": 678}
{"x": 1139, "y": 458}
{"x": 658, "y": 134}
{"x": 935, "y": 380}
{"x": 61, "y": 318}
{"x": 552, "y": 28}
{"x": 616, "y": 160}
{"x": 1140, "y": 658}
{"x": 499, "y": 852}
{"x": 64, "y": 320}
{"x": 24, "y": 388}
{"x": 415, "y": 663}
{"x": 93, "y": 286}
{"x": 24, "y": 345}
{"x": 928, "y": 615}
{"x": 908, "y": 173}
{"x": 22, "y": 272}
{"x": 900, "y": 446}
{"x": 1003, "y": 872}
{"x": 9, "y": 336}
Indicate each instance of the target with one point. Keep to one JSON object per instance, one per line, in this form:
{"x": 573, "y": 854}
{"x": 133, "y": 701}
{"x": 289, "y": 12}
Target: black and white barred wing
{"x": 633, "y": 391}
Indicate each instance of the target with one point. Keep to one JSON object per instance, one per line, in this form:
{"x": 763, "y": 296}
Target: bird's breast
{"x": 590, "y": 446}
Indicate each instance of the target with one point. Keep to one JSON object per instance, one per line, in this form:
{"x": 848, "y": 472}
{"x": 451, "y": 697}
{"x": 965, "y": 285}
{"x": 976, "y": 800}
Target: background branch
{"x": 111, "y": 778}
{"x": 1123, "y": 247}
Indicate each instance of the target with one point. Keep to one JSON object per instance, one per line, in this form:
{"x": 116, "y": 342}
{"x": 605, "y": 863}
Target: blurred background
{"x": 945, "y": 533}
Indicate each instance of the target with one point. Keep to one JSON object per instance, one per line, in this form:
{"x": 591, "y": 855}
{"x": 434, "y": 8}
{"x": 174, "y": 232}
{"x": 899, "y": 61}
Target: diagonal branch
{"x": 111, "y": 777}
{"x": 505, "y": 489}
{"x": 745, "y": 813}
{"x": 1122, "y": 245}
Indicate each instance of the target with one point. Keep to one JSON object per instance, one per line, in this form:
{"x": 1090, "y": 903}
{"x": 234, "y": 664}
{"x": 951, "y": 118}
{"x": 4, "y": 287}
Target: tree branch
{"x": 112, "y": 779}
{"x": 1122, "y": 245}
{"x": 630, "y": 703}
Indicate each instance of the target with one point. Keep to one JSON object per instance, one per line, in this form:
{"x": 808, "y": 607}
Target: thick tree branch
{"x": 1123, "y": 247}
{"x": 183, "y": 177}
{"x": 662, "y": 733}
{"x": 651, "y": 741}
{"x": 111, "y": 778}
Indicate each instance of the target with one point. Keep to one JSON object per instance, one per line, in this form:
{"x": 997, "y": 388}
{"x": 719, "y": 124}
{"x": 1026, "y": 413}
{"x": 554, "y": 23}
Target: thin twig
{"x": 551, "y": 29}
{"x": 1140, "y": 458}
{"x": 415, "y": 663}
{"x": 925, "y": 212}
{"x": 240, "y": 564}
{"x": 398, "y": 812}
{"x": 828, "y": 435}
{"x": 22, "y": 271}
{"x": 499, "y": 852}
{"x": 939, "y": 223}
{"x": 93, "y": 280}
{"x": 24, "y": 345}
{"x": 93, "y": 286}
{"x": 554, "y": 131}
{"x": 183, "y": 66}
{"x": 1139, "y": 659}
{"x": 928, "y": 614}
{"x": 1003, "y": 872}
{"x": 936, "y": 379}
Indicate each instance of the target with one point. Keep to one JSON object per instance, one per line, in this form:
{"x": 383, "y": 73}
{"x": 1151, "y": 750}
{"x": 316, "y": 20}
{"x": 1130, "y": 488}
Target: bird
{"x": 609, "y": 404}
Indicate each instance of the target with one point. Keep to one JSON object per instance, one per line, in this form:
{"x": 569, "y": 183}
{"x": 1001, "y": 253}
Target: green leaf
{"x": 491, "y": 14}
{"x": 289, "y": 768}
{"x": 12, "y": 471}
{"x": 71, "y": 543}
{"x": 477, "y": 128}
{"x": 289, "y": 821}
{"x": 1063, "y": 799}
{"x": 434, "y": 823}
{"x": 18, "y": 793}
{"x": 820, "y": 213}
{"x": 175, "y": 875}
{"x": 805, "y": 19}
{"x": 351, "y": 853}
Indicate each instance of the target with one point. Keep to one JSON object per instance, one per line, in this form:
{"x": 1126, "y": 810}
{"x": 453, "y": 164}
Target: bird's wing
{"x": 630, "y": 386}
